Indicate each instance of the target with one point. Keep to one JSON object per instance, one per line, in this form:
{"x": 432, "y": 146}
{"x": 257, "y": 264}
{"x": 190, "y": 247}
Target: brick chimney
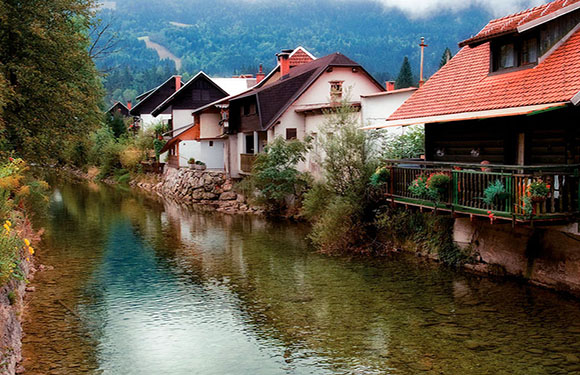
{"x": 390, "y": 85}
{"x": 129, "y": 104}
{"x": 177, "y": 82}
{"x": 283, "y": 60}
{"x": 260, "y": 75}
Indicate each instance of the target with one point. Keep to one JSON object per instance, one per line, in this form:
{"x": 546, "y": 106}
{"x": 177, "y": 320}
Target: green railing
{"x": 468, "y": 182}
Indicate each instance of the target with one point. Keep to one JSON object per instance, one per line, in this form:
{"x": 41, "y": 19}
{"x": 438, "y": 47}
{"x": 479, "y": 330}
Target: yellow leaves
{"x": 7, "y": 228}
{"x": 27, "y": 242}
{"x": 23, "y": 191}
{"x": 10, "y": 183}
{"x": 30, "y": 250}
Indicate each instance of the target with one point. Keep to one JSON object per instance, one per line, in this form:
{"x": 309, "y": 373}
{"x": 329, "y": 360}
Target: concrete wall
{"x": 181, "y": 118}
{"x": 376, "y": 109}
{"x": 210, "y": 127}
{"x": 546, "y": 256}
{"x": 210, "y": 152}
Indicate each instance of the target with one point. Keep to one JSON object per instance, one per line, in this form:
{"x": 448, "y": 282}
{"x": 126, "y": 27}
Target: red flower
{"x": 11, "y": 159}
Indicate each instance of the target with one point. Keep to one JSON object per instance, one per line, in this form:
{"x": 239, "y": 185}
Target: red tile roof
{"x": 509, "y": 24}
{"x": 300, "y": 57}
{"x": 465, "y": 85}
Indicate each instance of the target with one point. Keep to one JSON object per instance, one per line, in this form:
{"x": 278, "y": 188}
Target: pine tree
{"x": 445, "y": 58}
{"x": 405, "y": 77}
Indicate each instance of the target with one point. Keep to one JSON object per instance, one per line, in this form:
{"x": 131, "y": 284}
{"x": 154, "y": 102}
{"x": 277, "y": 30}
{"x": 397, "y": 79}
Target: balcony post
{"x": 256, "y": 143}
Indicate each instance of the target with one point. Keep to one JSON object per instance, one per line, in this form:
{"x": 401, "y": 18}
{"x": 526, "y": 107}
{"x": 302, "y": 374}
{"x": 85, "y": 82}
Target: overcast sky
{"x": 426, "y": 8}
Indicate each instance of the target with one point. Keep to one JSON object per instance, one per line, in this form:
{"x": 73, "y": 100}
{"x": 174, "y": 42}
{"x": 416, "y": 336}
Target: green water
{"x": 142, "y": 286}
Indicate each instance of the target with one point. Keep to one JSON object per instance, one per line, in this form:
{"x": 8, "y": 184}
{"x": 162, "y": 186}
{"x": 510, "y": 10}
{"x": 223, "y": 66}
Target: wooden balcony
{"x": 173, "y": 161}
{"x": 468, "y": 182}
{"x": 247, "y": 162}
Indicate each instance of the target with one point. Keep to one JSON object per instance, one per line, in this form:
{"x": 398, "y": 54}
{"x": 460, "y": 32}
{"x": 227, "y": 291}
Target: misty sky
{"x": 425, "y": 8}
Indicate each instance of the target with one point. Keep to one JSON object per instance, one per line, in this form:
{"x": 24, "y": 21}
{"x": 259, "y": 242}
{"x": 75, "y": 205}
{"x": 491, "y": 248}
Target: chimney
{"x": 390, "y": 85}
{"x": 260, "y": 75}
{"x": 129, "y": 104}
{"x": 284, "y": 61}
{"x": 177, "y": 82}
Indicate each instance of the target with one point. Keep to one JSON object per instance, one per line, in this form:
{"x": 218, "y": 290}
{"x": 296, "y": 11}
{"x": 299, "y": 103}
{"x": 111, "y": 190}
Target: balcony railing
{"x": 247, "y": 162}
{"x": 468, "y": 182}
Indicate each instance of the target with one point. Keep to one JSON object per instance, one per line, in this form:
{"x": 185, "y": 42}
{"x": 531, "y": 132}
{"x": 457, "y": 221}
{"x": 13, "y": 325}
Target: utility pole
{"x": 422, "y": 45}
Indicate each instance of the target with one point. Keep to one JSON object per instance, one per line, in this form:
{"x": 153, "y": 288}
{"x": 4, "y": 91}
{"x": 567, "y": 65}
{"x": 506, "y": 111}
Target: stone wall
{"x": 546, "y": 256}
{"x": 209, "y": 188}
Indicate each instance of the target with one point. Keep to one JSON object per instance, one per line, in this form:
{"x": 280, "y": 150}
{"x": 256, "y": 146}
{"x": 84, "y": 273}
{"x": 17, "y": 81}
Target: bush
{"x": 380, "y": 177}
{"x": 131, "y": 158}
{"x": 275, "y": 176}
{"x": 409, "y": 145}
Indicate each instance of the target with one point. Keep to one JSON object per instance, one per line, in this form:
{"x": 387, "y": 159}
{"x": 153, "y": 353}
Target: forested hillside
{"x": 223, "y": 37}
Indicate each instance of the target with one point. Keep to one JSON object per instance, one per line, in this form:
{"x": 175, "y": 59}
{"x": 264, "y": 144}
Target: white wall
{"x": 376, "y": 109}
{"x": 212, "y": 156}
{"x": 210, "y": 127}
{"x": 181, "y": 118}
{"x": 187, "y": 150}
{"x": 356, "y": 84}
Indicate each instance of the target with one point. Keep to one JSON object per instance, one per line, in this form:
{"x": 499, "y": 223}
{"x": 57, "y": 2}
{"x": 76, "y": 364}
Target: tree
{"x": 53, "y": 87}
{"x": 410, "y": 144}
{"x": 445, "y": 58}
{"x": 405, "y": 77}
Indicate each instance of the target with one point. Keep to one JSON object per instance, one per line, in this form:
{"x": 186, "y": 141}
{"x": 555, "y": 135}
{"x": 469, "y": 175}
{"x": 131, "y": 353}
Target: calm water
{"x": 147, "y": 287}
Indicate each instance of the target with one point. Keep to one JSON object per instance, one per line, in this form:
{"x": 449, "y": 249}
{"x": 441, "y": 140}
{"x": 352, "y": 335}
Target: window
{"x": 514, "y": 52}
{"x": 210, "y": 143}
{"x": 291, "y": 133}
{"x": 336, "y": 90}
{"x": 249, "y": 143}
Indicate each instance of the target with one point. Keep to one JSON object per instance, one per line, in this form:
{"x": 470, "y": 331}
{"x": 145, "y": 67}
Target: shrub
{"x": 494, "y": 192}
{"x": 410, "y": 144}
{"x": 380, "y": 177}
{"x": 275, "y": 176}
{"x": 130, "y": 158}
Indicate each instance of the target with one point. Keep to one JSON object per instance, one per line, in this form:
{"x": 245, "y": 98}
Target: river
{"x": 143, "y": 286}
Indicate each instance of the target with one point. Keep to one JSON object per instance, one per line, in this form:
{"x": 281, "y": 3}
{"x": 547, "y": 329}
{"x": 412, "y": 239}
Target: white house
{"x": 149, "y": 100}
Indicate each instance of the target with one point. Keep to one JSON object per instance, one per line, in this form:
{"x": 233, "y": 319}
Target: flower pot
{"x": 192, "y": 166}
{"x": 538, "y": 199}
{"x": 199, "y": 167}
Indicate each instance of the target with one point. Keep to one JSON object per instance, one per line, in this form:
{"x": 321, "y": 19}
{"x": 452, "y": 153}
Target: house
{"x": 201, "y": 132}
{"x": 120, "y": 109}
{"x": 378, "y": 107}
{"x": 189, "y": 138}
{"x": 149, "y": 100}
{"x": 291, "y": 103}
{"x": 504, "y": 110}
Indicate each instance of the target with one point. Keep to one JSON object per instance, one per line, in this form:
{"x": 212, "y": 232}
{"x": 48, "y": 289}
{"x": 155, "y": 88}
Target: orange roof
{"x": 464, "y": 84}
{"x": 510, "y": 24}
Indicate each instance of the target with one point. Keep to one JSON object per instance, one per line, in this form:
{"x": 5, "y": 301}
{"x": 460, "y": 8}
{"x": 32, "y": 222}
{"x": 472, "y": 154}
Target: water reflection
{"x": 149, "y": 287}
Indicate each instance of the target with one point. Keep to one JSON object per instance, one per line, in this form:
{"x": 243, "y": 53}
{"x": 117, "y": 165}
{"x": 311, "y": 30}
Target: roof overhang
{"x": 478, "y": 115}
{"x": 549, "y": 17}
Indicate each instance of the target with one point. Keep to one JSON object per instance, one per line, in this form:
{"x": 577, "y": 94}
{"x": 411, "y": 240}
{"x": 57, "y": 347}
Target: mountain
{"x": 223, "y": 37}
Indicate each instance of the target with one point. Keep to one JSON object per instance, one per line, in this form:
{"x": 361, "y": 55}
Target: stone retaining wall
{"x": 209, "y": 188}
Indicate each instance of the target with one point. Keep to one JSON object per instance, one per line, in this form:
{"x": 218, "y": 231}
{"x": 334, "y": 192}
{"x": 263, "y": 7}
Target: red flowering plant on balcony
{"x": 433, "y": 186}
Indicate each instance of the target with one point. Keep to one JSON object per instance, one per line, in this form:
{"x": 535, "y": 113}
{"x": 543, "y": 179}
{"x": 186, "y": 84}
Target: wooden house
{"x": 193, "y": 134}
{"x": 503, "y": 110}
{"x": 120, "y": 109}
{"x": 149, "y": 100}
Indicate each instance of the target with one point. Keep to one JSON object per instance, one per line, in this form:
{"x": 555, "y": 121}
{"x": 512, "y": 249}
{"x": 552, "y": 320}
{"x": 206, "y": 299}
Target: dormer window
{"x": 336, "y": 90}
{"x": 514, "y": 52}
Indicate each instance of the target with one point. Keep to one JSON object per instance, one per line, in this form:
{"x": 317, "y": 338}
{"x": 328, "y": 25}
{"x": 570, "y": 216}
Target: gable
{"x": 156, "y": 97}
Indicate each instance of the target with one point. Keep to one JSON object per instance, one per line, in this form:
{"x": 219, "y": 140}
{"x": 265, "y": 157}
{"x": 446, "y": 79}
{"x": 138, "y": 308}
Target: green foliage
{"x": 538, "y": 189}
{"x": 52, "y": 90}
{"x": 157, "y": 146}
{"x": 409, "y": 145}
{"x": 160, "y": 128}
{"x": 274, "y": 173}
{"x": 191, "y": 161}
{"x": 116, "y": 123}
{"x": 423, "y": 233}
{"x": 447, "y": 55}
{"x": 431, "y": 187}
{"x": 380, "y": 177}
{"x": 342, "y": 208}
{"x": 494, "y": 192}
{"x": 11, "y": 297}
{"x": 405, "y": 77}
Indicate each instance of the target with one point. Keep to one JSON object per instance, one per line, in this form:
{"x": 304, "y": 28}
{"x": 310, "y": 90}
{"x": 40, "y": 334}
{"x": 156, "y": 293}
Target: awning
{"x": 170, "y": 144}
{"x": 504, "y": 112}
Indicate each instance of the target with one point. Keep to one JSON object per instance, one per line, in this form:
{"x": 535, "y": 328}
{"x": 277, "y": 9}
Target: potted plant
{"x": 191, "y": 163}
{"x": 538, "y": 190}
{"x": 418, "y": 186}
{"x": 438, "y": 184}
{"x": 495, "y": 193}
{"x": 200, "y": 165}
